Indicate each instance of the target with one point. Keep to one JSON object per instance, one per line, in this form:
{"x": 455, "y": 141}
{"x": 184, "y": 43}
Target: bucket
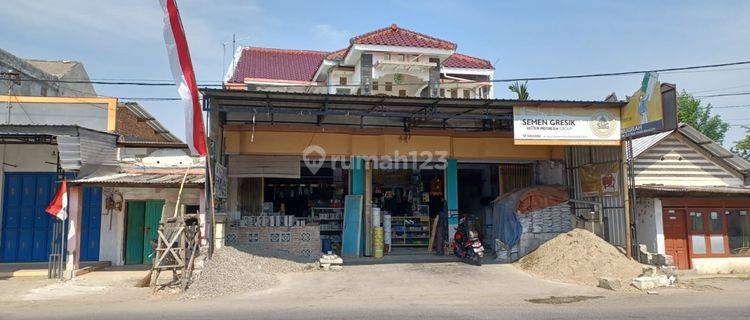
{"x": 327, "y": 246}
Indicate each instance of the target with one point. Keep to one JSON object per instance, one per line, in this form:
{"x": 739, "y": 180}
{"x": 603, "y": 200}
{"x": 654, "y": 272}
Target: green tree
{"x": 742, "y": 147}
{"x": 693, "y": 112}
{"x": 519, "y": 89}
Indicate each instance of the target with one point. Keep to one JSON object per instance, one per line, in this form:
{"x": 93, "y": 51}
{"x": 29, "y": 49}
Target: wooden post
{"x": 629, "y": 205}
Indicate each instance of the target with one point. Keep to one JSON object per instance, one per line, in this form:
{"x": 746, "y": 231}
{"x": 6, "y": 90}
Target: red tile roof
{"x": 279, "y": 64}
{"x": 341, "y": 53}
{"x": 458, "y": 60}
{"x": 396, "y": 36}
{"x": 269, "y": 64}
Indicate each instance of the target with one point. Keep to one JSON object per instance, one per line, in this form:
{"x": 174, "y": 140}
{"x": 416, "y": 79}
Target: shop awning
{"x": 151, "y": 179}
{"x": 80, "y": 149}
{"x": 262, "y": 107}
{"x": 690, "y": 190}
{"x": 246, "y": 166}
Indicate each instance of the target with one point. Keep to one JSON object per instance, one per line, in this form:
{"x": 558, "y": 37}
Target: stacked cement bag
{"x": 541, "y": 225}
{"x": 555, "y": 219}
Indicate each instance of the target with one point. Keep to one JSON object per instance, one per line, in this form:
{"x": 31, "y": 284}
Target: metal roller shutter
{"x": 243, "y": 166}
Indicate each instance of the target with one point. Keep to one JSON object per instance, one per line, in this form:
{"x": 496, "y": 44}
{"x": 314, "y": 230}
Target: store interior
{"x": 408, "y": 201}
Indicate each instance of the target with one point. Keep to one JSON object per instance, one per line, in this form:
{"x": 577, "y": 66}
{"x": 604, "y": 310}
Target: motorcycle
{"x": 467, "y": 246}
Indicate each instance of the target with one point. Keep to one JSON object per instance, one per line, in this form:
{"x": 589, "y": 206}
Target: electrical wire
{"x": 724, "y": 94}
{"x": 545, "y": 78}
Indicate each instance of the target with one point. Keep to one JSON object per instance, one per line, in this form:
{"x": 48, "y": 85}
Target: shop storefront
{"x": 418, "y": 164}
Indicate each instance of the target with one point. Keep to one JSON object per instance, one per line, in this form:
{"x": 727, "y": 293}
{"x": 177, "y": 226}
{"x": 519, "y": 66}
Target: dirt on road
{"x": 580, "y": 257}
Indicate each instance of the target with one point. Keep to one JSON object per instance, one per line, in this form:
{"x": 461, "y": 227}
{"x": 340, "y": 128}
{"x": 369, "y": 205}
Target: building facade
{"x": 392, "y": 61}
{"x": 693, "y": 201}
{"x": 45, "y": 78}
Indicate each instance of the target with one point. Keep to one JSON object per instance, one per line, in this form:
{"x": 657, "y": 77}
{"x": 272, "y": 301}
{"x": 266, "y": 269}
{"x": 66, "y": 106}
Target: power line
{"x": 624, "y": 73}
{"x": 724, "y": 94}
{"x": 720, "y": 89}
{"x": 731, "y": 107}
{"x": 545, "y": 78}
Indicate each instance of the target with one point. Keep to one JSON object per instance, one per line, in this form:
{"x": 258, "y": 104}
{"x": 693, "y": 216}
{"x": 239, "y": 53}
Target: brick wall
{"x": 129, "y": 126}
{"x": 298, "y": 241}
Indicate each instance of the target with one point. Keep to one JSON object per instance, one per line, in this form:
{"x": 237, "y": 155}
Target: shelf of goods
{"x": 331, "y": 223}
{"x": 410, "y": 231}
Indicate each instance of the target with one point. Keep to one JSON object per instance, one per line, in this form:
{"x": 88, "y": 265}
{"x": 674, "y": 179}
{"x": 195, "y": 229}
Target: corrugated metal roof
{"x": 681, "y": 189}
{"x": 642, "y": 144}
{"x": 133, "y": 178}
{"x": 715, "y": 149}
{"x": 693, "y": 134}
{"x": 79, "y": 148}
{"x": 222, "y": 95}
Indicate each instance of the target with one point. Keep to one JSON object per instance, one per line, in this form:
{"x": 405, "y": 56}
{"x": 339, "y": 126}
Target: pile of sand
{"x": 580, "y": 257}
{"x": 232, "y": 270}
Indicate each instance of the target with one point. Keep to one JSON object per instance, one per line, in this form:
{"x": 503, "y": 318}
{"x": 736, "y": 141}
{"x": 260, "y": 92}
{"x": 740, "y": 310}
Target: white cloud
{"x": 330, "y": 36}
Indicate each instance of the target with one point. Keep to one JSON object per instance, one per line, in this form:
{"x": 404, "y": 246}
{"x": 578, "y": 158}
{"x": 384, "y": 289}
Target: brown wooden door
{"x": 675, "y": 237}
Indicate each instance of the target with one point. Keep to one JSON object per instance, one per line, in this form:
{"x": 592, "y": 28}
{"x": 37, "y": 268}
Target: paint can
{"x": 377, "y": 239}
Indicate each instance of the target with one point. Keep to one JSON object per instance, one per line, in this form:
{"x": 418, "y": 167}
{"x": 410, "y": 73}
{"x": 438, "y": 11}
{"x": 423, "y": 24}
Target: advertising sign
{"x": 600, "y": 179}
{"x": 566, "y": 126}
{"x": 220, "y": 181}
{"x": 649, "y": 110}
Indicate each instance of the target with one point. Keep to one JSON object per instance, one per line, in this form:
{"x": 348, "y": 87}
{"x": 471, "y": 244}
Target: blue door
{"x": 27, "y": 229}
{"x": 90, "y": 223}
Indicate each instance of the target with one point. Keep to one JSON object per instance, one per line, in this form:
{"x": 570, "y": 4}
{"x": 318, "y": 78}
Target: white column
{"x": 659, "y": 223}
{"x": 73, "y": 256}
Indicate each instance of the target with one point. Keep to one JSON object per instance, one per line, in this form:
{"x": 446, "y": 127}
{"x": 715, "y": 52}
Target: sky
{"x": 124, "y": 40}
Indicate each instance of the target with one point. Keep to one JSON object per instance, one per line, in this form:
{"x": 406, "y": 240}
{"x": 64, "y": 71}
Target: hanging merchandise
{"x": 436, "y": 187}
{"x": 387, "y": 232}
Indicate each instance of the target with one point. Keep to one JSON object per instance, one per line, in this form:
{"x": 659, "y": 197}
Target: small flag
{"x": 184, "y": 76}
{"x": 58, "y": 208}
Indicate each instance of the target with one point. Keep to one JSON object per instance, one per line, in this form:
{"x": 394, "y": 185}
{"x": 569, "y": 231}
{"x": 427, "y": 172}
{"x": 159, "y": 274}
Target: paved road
{"x": 437, "y": 291}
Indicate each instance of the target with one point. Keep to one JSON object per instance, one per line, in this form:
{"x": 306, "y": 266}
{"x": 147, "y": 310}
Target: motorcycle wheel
{"x": 477, "y": 260}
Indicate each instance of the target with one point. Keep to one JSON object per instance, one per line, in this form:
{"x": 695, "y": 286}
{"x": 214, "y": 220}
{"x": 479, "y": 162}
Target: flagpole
{"x": 210, "y": 184}
{"x": 63, "y": 254}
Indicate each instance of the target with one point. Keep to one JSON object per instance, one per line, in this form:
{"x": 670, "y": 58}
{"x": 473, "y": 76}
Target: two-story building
{"x": 391, "y": 61}
{"x": 403, "y": 120}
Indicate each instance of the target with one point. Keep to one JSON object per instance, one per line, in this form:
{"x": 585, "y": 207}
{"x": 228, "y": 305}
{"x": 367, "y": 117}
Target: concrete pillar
{"x": 659, "y": 223}
{"x": 365, "y": 77}
{"x": 73, "y": 245}
{"x": 358, "y": 176}
{"x": 358, "y": 188}
{"x": 451, "y": 195}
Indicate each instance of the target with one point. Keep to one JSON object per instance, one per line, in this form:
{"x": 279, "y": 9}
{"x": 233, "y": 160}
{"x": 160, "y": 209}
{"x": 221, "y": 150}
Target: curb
{"x": 24, "y": 273}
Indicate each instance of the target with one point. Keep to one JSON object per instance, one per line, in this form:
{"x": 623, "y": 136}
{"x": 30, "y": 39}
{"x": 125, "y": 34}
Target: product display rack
{"x": 410, "y": 231}
{"x": 331, "y": 223}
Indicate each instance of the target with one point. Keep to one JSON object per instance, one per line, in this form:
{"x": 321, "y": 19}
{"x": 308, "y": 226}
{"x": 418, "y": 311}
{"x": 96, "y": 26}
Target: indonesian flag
{"x": 58, "y": 208}
{"x": 184, "y": 77}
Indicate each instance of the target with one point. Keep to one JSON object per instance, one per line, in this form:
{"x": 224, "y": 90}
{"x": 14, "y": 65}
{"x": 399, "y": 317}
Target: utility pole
{"x": 13, "y": 77}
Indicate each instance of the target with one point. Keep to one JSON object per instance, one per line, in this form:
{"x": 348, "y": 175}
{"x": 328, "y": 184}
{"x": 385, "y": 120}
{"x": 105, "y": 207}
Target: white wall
{"x": 721, "y": 265}
{"x": 649, "y": 224}
{"x": 112, "y": 241}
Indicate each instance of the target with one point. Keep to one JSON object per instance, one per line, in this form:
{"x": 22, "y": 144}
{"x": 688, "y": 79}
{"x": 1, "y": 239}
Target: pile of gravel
{"x": 232, "y": 270}
{"x": 580, "y": 257}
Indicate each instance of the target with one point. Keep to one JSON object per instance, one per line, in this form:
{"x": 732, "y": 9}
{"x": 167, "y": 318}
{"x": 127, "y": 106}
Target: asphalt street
{"x": 402, "y": 291}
